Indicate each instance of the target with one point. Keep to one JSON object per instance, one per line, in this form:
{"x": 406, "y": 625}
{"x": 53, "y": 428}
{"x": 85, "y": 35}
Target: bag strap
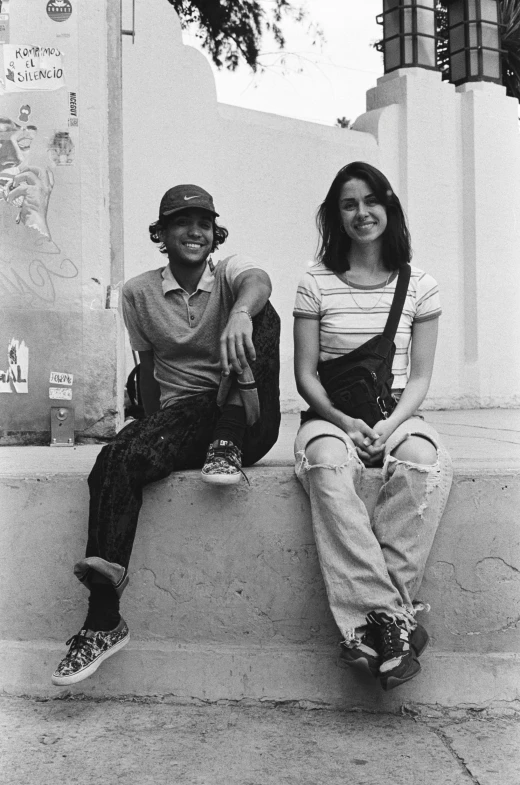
{"x": 396, "y": 309}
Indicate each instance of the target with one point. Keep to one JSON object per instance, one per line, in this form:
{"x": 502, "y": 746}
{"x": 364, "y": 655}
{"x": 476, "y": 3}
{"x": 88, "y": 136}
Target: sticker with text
{"x": 61, "y": 378}
{"x": 59, "y": 10}
{"x": 60, "y": 393}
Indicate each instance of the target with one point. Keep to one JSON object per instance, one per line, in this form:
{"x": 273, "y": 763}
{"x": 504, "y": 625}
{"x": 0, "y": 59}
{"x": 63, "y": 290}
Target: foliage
{"x": 231, "y": 30}
{"x": 343, "y": 122}
{"x": 511, "y": 44}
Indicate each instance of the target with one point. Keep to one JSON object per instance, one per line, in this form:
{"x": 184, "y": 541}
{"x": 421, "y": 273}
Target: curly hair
{"x": 334, "y": 244}
{"x": 220, "y": 233}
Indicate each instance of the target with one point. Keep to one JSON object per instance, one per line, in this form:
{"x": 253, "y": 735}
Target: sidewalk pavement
{"x": 87, "y": 742}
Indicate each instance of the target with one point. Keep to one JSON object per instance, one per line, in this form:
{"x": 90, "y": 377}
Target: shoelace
{"x": 78, "y": 641}
{"x": 391, "y": 641}
{"x": 230, "y": 454}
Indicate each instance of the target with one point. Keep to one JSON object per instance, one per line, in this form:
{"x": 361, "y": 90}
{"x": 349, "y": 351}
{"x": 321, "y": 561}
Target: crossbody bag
{"x": 359, "y": 383}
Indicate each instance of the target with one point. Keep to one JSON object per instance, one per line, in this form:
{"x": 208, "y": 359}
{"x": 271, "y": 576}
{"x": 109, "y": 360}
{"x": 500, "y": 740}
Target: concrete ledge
{"x": 211, "y": 672}
{"x": 226, "y": 598}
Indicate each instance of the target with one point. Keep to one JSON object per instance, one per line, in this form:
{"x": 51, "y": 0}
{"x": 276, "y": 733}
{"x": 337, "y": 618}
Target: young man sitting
{"x": 208, "y": 344}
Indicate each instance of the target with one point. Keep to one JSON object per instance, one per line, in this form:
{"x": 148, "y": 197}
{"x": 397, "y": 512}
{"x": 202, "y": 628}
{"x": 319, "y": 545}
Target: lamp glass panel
{"x": 472, "y": 9}
{"x": 426, "y": 51}
{"x": 456, "y": 39}
{"x": 490, "y": 36}
{"x": 456, "y": 12}
{"x": 472, "y": 34}
{"x": 408, "y": 50}
{"x": 489, "y": 10}
{"x": 458, "y": 67}
{"x": 408, "y": 16}
{"x": 473, "y": 63}
{"x": 389, "y": 4}
{"x": 491, "y": 64}
{"x": 391, "y": 24}
{"x": 425, "y": 21}
{"x": 392, "y": 54}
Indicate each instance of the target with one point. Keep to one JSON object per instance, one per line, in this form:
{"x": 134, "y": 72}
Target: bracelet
{"x": 243, "y": 310}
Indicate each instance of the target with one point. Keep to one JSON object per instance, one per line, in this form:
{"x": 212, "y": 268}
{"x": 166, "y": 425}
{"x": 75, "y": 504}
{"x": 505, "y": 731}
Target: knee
{"x": 326, "y": 449}
{"x": 416, "y": 449}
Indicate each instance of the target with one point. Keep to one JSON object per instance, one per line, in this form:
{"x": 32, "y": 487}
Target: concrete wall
{"x": 54, "y": 280}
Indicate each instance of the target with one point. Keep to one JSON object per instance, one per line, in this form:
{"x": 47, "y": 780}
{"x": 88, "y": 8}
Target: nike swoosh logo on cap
{"x": 187, "y": 198}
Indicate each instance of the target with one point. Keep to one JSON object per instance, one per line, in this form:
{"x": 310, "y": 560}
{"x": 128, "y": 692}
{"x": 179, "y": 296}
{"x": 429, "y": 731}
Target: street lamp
{"x": 474, "y": 41}
{"x": 409, "y": 37}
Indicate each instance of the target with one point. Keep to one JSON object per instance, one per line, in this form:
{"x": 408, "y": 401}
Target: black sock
{"x": 103, "y": 608}
{"x": 231, "y": 425}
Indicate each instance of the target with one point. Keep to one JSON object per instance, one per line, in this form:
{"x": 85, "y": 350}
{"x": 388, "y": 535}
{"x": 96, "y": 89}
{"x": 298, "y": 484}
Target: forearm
{"x": 251, "y": 298}
{"x": 413, "y": 395}
{"x": 313, "y": 392}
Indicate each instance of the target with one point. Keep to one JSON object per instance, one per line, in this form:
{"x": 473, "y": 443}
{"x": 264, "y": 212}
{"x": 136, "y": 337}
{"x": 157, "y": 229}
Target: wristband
{"x": 243, "y": 310}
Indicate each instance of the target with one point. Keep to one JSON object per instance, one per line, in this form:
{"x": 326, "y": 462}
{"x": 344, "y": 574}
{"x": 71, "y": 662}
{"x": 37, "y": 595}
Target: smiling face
{"x": 363, "y": 217}
{"x": 188, "y": 237}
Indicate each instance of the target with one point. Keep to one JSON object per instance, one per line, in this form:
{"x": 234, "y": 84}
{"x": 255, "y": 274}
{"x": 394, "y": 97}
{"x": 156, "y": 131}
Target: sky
{"x": 320, "y": 82}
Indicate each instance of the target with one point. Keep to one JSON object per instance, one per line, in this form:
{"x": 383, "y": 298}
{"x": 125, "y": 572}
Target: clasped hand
{"x": 369, "y": 442}
{"x": 236, "y": 344}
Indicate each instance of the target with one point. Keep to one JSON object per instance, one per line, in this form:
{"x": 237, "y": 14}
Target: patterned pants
{"x": 173, "y": 439}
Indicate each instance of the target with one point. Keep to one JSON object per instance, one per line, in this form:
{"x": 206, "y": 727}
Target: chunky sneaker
{"x": 399, "y": 661}
{"x": 419, "y": 640}
{"x": 361, "y": 654}
{"x": 223, "y": 463}
{"x": 88, "y": 649}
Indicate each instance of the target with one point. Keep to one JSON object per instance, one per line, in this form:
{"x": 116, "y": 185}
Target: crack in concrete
{"x": 162, "y": 588}
{"x": 442, "y": 736}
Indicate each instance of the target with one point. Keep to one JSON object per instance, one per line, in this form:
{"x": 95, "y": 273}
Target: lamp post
{"x": 409, "y": 38}
{"x": 474, "y": 41}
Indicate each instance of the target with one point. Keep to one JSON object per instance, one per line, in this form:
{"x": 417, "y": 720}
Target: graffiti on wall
{"x": 40, "y": 210}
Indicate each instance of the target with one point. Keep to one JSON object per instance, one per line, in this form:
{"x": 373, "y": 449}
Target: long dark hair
{"x": 335, "y": 244}
{"x": 220, "y": 233}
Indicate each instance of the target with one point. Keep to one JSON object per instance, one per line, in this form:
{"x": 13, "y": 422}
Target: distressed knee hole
{"x": 326, "y": 452}
{"x": 416, "y": 448}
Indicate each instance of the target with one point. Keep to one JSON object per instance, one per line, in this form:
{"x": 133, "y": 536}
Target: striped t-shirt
{"x": 350, "y": 314}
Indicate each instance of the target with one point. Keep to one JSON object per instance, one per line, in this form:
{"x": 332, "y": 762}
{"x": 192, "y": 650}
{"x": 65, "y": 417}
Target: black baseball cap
{"x": 180, "y": 197}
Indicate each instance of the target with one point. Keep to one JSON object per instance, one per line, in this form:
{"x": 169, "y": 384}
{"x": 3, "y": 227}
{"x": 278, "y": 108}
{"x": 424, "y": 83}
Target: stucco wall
{"x": 452, "y": 155}
{"x": 267, "y": 173}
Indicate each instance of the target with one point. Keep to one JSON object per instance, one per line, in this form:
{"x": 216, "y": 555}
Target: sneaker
{"x": 88, "y": 649}
{"x": 399, "y": 661}
{"x": 361, "y": 654}
{"x": 419, "y": 639}
{"x": 223, "y": 464}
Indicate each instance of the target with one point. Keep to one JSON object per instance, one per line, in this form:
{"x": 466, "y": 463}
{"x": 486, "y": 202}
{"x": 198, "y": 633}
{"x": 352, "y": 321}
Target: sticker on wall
{"x": 32, "y": 68}
{"x": 4, "y": 28}
{"x": 24, "y": 114}
{"x": 73, "y": 110}
{"x": 61, "y": 149}
{"x": 17, "y": 373}
{"x": 59, "y": 10}
{"x": 61, "y": 378}
{"x": 60, "y": 393}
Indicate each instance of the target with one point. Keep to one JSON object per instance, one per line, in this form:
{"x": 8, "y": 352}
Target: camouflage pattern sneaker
{"x": 88, "y": 649}
{"x": 223, "y": 464}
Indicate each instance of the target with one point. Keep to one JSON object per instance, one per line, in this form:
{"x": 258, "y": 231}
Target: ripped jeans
{"x": 373, "y": 565}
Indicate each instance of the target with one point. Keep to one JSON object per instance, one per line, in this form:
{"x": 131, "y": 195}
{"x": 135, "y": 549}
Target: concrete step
{"x": 226, "y": 599}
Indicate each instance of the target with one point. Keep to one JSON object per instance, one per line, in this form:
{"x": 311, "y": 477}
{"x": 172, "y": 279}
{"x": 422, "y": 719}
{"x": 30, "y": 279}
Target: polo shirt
{"x": 183, "y": 330}
{"x": 350, "y": 314}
